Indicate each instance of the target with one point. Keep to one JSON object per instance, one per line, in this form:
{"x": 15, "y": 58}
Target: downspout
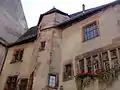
{"x": 6, "y": 48}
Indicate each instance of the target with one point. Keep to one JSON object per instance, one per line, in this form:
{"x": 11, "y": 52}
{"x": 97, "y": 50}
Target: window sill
{"x": 41, "y": 50}
{"x": 67, "y": 79}
{"x": 52, "y": 87}
{"x": 90, "y": 39}
{"x": 12, "y": 62}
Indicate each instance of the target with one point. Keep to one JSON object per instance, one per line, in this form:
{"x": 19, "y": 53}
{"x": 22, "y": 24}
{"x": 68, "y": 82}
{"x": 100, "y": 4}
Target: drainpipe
{"x": 6, "y": 48}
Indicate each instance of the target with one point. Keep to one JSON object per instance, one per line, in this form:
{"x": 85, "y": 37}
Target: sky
{"x": 33, "y": 8}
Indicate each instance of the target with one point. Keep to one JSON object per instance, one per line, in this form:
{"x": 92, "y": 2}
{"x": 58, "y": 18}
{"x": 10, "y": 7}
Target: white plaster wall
{"x": 72, "y": 39}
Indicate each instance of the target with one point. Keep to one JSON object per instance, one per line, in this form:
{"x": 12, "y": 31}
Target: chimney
{"x": 83, "y": 8}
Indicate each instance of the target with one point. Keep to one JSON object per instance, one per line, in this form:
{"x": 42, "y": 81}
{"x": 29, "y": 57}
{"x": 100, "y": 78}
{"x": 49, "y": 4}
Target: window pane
{"x": 90, "y": 31}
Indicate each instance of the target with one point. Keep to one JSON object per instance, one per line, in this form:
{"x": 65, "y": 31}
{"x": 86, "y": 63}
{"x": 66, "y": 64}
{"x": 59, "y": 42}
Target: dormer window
{"x": 90, "y": 31}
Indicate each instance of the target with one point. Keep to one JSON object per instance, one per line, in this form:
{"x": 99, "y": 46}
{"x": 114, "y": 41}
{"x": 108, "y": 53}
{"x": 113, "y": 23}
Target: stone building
{"x": 12, "y": 20}
{"x": 80, "y": 51}
{"x": 17, "y": 63}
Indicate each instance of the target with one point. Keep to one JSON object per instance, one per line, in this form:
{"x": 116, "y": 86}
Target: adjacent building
{"x": 12, "y": 20}
{"x": 80, "y": 51}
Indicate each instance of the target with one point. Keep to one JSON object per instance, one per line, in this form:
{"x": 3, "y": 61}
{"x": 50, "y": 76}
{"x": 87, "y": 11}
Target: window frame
{"x": 64, "y": 72}
{"x": 93, "y": 31}
{"x": 42, "y": 48}
{"x": 56, "y": 84}
{"x": 17, "y": 55}
{"x": 10, "y": 82}
{"x": 23, "y": 84}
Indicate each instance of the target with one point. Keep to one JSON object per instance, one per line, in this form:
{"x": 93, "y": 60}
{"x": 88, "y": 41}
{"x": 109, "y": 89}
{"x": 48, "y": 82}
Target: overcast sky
{"x": 33, "y": 8}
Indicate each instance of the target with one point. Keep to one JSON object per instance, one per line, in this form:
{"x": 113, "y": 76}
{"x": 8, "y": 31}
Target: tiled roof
{"x": 3, "y": 42}
{"x": 80, "y": 15}
{"x": 29, "y": 36}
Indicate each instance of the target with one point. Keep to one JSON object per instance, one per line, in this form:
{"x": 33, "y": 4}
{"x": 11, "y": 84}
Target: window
{"x": 53, "y": 81}
{"x": 17, "y": 55}
{"x": 23, "y": 84}
{"x": 114, "y": 59}
{"x": 105, "y": 61}
{"x": 11, "y": 83}
{"x": 91, "y": 31}
{"x": 95, "y": 62}
{"x": 80, "y": 66}
{"x": 42, "y": 47}
{"x": 89, "y": 64}
{"x": 67, "y": 72}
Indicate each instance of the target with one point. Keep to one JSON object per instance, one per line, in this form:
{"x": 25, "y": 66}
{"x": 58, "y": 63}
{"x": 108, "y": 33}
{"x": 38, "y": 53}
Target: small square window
{"x": 42, "y": 47}
{"x": 53, "y": 81}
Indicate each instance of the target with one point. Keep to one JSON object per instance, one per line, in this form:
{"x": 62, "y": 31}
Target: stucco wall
{"x": 20, "y": 68}
{"x": 3, "y": 51}
{"x": 41, "y": 72}
{"x": 51, "y": 20}
{"x": 72, "y": 39}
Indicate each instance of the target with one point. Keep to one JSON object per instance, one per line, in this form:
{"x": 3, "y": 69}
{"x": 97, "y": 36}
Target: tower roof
{"x": 53, "y": 10}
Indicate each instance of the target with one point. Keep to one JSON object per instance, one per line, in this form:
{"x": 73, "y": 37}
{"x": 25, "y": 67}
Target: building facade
{"x": 12, "y": 20}
{"x": 67, "y": 52}
{"x": 15, "y": 72}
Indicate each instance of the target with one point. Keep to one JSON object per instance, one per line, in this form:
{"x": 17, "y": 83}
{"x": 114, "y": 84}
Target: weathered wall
{"x": 18, "y": 68}
{"x": 51, "y": 20}
{"x": 3, "y": 51}
{"x": 12, "y": 20}
{"x": 41, "y": 72}
{"x": 50, "y": 58}
{"x": 73, "y": 45}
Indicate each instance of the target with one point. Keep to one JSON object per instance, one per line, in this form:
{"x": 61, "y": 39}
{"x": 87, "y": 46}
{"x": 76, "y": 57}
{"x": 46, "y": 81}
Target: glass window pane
{"x": 91, "y": 31}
